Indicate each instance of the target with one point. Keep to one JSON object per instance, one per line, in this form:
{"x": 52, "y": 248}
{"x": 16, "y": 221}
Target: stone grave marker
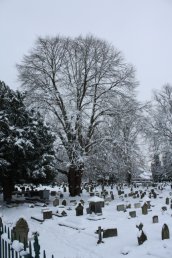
{"x": 145, "y": 209}
{"x": 20, "y": 231}
{"x": 141, "y": 237}
{"x": 155, "y": 219}
{"x": 64, "y": 203}
{"x": 165, "y": 232}
{"x": 56, "y": 202}
{"x": 132, "y": 214}
{"x": 47, "y": 214}
{"x": 79, "y": 210}
{"x": 53, "y": 193}
{"x": 167, "y": 201}
{"x": 110, "y": 232}
{"x": 120, "y": 207}
{"x": 137, "y": 205}
{"x": 96, "y": 204}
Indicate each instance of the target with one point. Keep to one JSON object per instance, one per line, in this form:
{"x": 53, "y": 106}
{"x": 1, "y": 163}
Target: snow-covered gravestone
{"x": 165, "y": 232}
{"x": 96, "y": 204}
{"x": 141, "y": 236}
{"x": 79, "y": 210}
{"x": 132, "y": 214}
{"x": 20, "y": 231}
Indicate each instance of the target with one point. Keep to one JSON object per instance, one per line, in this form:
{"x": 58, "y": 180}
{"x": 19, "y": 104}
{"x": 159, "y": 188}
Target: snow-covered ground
{"x": 67, "y": 242}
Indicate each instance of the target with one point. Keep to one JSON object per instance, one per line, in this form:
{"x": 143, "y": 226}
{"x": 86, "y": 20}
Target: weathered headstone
{"x": 110, "y": 232}
{"x": 155, "y": 219}
{"x": 120, "y": 207}
{"x": 137, "y": 205}
{"x": 100, "y": 236}
{"x": 141, "y": 237}
{"x": 79, "y": 210}
{"x": 20, "y": 231}
{"x": 47, "y": 214}
{"x": 53, "y": 193}
{"x": 132, "y": 214}
{"x": 165, "y": 232}
{"x": 56, "y": 202}
{"x": 167, "y": 201}
{"x": 145, "y": 209}
{"x": 64, "y": 202}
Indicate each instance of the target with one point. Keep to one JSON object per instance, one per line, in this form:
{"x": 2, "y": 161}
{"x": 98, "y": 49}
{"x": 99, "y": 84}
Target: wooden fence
{"x": 8, "y": 250}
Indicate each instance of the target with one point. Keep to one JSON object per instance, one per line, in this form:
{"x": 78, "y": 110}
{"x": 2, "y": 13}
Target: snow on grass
{"x": 67, "y": 242}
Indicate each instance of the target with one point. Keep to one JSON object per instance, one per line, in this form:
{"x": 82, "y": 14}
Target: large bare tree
{"x": 74, "y": 81}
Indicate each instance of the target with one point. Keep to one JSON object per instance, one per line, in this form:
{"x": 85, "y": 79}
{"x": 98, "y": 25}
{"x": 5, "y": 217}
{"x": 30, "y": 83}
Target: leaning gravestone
{"x": 165, "y": 232}
{"x": 155, "y": 219}
{"x": 20, "y": 231}
{"x": 56, "y": 202}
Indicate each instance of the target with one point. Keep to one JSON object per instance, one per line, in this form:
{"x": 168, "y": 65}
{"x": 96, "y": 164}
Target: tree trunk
{"x": 8, "y": 187}
{"x": 74, "y": 179}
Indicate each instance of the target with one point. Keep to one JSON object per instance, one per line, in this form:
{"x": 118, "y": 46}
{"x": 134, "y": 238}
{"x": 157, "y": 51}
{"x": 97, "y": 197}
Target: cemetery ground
{"x": 74, "y": 236}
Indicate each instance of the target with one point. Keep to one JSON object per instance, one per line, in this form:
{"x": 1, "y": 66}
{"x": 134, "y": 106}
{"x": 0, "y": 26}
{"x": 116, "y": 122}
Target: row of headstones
{"x": 141, "y": 237}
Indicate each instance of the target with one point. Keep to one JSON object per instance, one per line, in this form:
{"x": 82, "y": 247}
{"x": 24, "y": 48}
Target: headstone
{"x": 88, "y": 210}
{"x": 64, "y": 202}
{"x": 63, "y": 213}
{"x": 20, "y": 231}
{"x": 56, "y": 202}
{"x": 167, "y": 201}
{"x": 165, "y": 232}
{"x": 91, "y": 194}
{"x": 53, "y": 193}
{"x": 79, "y": 210}
{"x": 46, "y": 194}
{"x": 155, "y": 219}
{"x": 137, "y": 205}
{"x": 111, "y": 232}
{"x": 145, "y": 209}
{"x": 82, "y": 202}
{"x": 120, "y": 207}
{"x": 47, "y": 214}
{"x": 132, "y": 214}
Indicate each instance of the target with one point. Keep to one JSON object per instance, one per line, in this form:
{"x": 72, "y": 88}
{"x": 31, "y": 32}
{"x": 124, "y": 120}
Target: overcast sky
{"x": 141, "y": 29}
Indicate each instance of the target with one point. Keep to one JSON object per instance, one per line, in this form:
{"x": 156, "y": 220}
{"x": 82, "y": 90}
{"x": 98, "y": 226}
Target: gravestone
{"x": 96, "y": 204}
{"x": 79, "y": 210}
{"x": 167, "y": 201}
{"x": 110, "y": 232}
{"x": 145, "y": 209}
{"x": 56, "y": 202}
{"x": 165, "y": 232}
{"x": 128, "y": 206}
{"x": 137, "y": 205}
{"x": 141, "y": 236}
{"x": 132, "y": 214}
{"x": 53, "y": 193}
{"x": 63, "y": 213}
{"x": 20, "y": 231}
{"x": 64, "y": 203}
{"x": 82, "y": 202}
{"x": 88, "y": 210}
{"x": 47, "y": 214}
{"x": 91, "y": 194}
{"x": 120, "y": 207}
{"x": 155, "y": 219}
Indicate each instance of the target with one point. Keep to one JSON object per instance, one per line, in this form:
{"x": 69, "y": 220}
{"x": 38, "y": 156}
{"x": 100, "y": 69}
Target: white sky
{"x": 141, "y": 29}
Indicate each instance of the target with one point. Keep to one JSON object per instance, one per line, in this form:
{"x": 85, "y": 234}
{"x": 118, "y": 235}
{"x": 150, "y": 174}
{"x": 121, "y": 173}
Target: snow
{"x": 74, "y": 236}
